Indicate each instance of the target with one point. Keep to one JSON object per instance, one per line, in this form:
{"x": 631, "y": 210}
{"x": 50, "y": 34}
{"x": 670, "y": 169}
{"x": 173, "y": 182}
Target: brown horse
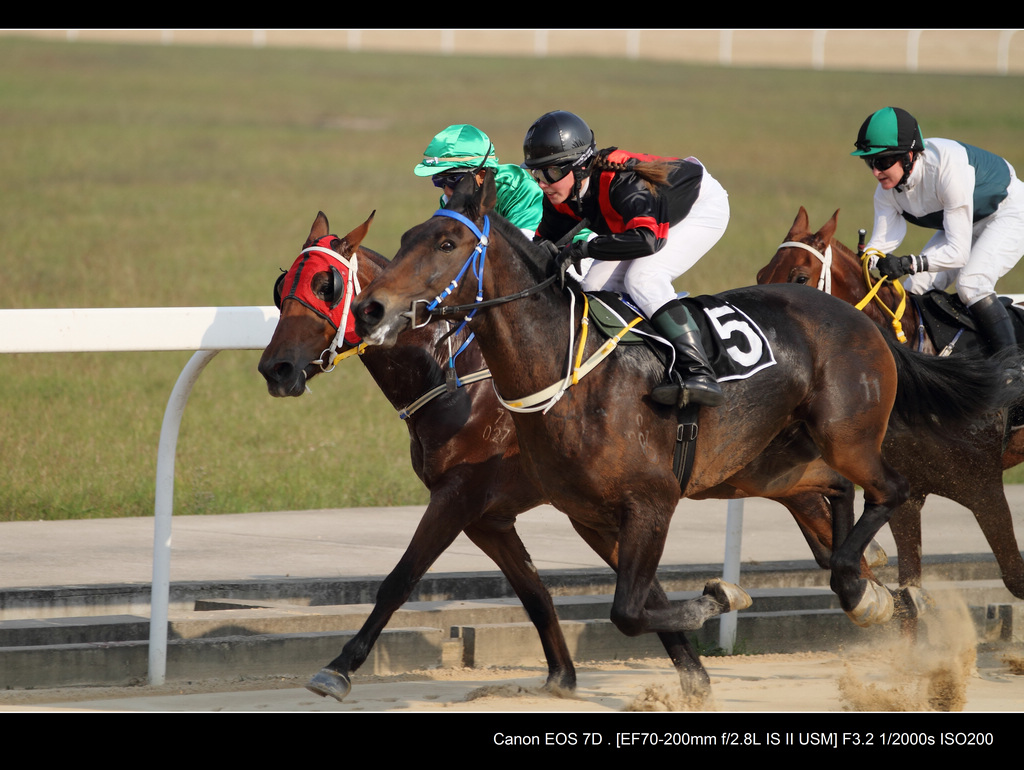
{"x": 964, "y": 466}
{"x": 463, "y": 447}
{"x": 601, "y": 451}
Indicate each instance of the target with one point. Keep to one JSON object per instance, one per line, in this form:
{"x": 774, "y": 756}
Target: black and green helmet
{"x": 887, "y": 131}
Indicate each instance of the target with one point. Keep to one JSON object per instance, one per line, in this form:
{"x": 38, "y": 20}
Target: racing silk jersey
{"x": 951, "y": 187}
{"x": 628, "y": 219}
{"x": 520, "y": 199}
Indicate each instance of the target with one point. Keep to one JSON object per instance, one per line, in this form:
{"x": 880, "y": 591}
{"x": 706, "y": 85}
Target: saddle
{"x": 736, "y": 348}
{"x": 948, "y": 321}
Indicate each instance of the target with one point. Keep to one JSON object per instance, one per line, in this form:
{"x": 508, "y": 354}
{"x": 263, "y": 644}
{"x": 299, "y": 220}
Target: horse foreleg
{"x": 436, "y": 531}
{"x": 678, "y": 647}
{"x": 507, "y": 550}
{"x": 641, "y": 542}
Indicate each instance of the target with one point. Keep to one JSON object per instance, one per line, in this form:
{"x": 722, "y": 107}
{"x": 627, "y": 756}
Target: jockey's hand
{"x": 570, "y": 256}
{"x": 896, "y": 267}
{"x": 549, "y": 247}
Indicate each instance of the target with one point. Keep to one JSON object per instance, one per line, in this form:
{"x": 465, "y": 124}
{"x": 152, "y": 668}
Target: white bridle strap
{"x": 825, "y": 281}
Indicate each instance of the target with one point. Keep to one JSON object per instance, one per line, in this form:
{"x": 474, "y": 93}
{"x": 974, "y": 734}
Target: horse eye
{"x": 447, "y": 245}
{"x": 801, "y": 279}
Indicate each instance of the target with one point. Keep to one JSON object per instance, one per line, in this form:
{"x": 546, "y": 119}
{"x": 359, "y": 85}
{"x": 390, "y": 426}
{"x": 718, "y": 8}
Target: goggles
{"x": 883, "y": 162}
{"x": 448, "y": 180}
{"x": 551, "y": 174}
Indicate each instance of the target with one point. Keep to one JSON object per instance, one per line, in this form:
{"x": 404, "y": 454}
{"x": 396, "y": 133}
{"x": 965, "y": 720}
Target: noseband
{"x": 825, "y": 280}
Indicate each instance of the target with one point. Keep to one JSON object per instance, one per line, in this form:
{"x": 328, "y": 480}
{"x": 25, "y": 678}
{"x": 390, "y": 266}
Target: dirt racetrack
{"x": 947, "y": 670}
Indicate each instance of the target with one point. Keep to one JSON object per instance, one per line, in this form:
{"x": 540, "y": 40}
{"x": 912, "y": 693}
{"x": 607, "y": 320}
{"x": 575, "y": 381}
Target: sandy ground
{"x": 945, "y": 670}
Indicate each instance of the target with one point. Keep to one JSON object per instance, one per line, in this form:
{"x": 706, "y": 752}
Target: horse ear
{"x": 489, "y": 193}
{"x": 829, "y": 229}
{"x": 352, "y": 241}
{"x": 319, "y": 229}
{"x": 800, "y": 225}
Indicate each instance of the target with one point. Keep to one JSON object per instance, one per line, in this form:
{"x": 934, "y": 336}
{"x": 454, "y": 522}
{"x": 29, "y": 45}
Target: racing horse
{"x": 601, "y": 451}
{"x": 462, "y": 441}
{"x": 964, "y": 466}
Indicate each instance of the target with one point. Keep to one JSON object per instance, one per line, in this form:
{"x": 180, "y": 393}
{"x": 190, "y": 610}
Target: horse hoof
{"x": 729, "y": 595}
{"x": 875, "y": 555}
{"x": 914, "y": 602}
{"x": 327, "y": 682}
{"x": 876, "y": 606}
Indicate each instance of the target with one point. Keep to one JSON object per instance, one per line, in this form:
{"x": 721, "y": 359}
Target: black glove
{"x": 896, "y": 267}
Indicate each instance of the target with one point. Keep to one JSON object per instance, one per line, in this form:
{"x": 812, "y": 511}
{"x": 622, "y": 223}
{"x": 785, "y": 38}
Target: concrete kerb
{"x": 457, "y": 624}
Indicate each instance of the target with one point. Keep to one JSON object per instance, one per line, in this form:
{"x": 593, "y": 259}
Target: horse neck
{"x": 524, "y": 341}
{"x": 848, "y": 284}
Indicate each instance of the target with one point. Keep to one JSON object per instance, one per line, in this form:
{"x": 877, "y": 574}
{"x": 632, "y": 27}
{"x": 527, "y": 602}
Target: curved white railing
{"x": 207, "y": 330}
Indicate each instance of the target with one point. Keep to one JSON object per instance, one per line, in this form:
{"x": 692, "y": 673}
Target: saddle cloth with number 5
{"x": 736, "y": 346}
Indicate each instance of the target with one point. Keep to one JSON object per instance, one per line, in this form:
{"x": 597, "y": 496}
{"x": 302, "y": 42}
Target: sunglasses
{"x": 551, "y": 174}
{"x": 883, "y": 162}
{"x": 447, "y": 180}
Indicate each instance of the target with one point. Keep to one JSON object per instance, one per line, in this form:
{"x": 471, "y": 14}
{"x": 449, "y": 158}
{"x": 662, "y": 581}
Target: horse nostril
{"x": 370, "y": 313}
{"x": 276, "y": 371}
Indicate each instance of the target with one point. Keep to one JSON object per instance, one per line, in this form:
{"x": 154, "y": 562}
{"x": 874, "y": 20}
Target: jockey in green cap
{"x": 463, "y": 149}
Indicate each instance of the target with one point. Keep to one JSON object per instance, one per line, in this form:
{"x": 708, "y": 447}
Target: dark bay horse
{"x": 463, "y": 448}
{"x": 964, "y": 466}
{"x": 601, "y": 451}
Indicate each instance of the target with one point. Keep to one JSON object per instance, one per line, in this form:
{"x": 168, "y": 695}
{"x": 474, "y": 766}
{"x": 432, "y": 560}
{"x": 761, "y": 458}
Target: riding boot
{"x": 994, "y": 323}
{"x": 699, "y": 385}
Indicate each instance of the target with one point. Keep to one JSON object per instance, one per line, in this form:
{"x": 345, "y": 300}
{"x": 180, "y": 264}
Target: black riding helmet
{"x": 559, "y": 138}
{"x": 559, "y": 143}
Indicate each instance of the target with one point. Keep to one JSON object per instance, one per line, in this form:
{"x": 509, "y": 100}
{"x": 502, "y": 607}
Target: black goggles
{"x": 447, "y": 180}
{"x": 551, "y": 174}
{"x": 883, "y": 162}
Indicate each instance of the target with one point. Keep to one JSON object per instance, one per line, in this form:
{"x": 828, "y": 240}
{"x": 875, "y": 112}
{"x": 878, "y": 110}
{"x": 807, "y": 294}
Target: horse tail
{"x": 940, "y": 392}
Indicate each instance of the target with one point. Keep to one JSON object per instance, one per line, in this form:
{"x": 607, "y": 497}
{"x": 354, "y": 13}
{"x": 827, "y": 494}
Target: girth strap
{"x": 686, "y": 444}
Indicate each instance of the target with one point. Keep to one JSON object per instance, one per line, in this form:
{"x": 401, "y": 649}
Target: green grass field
{"x": 140, "y": 176}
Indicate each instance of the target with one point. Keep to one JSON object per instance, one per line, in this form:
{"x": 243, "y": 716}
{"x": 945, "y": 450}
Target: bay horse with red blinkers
{"x": 965, "y": 466}
{"x": 463, "y": 446}
{"x": 601, "y": 451}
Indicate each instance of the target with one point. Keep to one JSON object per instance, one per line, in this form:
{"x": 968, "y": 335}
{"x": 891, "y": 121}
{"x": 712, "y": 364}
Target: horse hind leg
{"x": 506, "y": 549}
{"x": 866, "y": 602}
{"x": 905, "y": 525}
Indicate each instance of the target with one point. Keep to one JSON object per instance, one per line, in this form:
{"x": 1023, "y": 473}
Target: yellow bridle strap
{"x": 356, "y": 351}
{"x": 873, "y": 294}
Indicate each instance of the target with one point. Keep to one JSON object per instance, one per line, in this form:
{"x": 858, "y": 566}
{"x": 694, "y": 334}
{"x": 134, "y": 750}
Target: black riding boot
{"x": 994, "y": 323}
{"x": 699, "y": 385}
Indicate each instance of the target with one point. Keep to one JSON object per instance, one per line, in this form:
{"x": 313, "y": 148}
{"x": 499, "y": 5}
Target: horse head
{"x": 431, "y": 266}
{"x": 314, "y": 297}
{"x": 803, "y": 255}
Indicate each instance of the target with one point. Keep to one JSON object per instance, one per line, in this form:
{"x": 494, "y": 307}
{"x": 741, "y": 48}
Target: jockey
{"x": 652, "y": 219}
{"x": 461, "y": 149}
{"x": 971, "y": 197}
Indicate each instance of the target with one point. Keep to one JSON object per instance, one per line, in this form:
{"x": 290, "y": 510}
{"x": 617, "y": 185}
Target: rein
{"x": 825, "y": 283}
{"x": 897, "y": 326}
{"x": 576, "y": 367}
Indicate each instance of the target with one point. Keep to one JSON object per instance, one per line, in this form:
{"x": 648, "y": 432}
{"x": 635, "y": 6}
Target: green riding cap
{"x": 890, "y": 129}
{"x": 458, "y": 146}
